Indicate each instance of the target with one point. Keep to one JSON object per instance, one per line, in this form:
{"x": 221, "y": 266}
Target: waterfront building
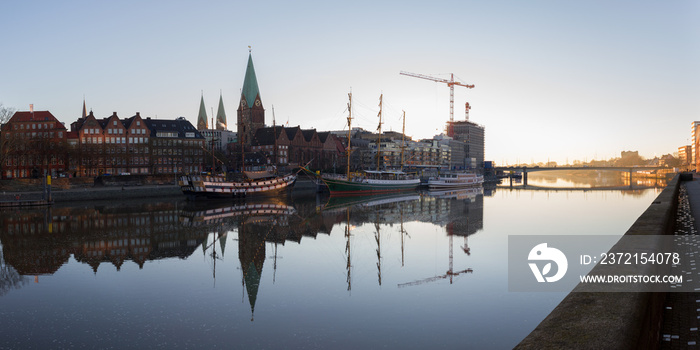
{"x": 221, "y": 139}
{"x": 176, "y": 146}
{"x": 109, "y": 146}
{"x": 32, "y": 144}
{"x": 472, "y": 134}
{"x": 684, "y": 155}
{"x": 297, "y": 146}
{"x": 694, "y": 144}
{"x": 458, "y": 154}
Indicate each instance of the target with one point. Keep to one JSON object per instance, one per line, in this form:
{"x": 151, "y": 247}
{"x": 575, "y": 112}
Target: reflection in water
{"x": 9, "y": 277}
{"x": 143, "y": 273}
{"x": 257, "y": 223}
{"x": 40, "y": 241}
{"x": 592, "y": 179}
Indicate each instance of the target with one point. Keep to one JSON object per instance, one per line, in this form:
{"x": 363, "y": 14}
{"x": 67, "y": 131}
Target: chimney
{"x": 138, "y": 114}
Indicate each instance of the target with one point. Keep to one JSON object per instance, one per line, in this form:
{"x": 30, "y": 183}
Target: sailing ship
{"x": 217, "y": 186}
{"x": 368, "y": 181}
{"x": 257, "y": 182}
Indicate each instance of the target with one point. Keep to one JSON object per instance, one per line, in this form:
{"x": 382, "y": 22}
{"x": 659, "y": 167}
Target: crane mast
{"x": 451, "y": 83}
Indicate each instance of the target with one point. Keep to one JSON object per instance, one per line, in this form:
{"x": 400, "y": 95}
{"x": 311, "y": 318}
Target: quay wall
{"x": 116, "y": 191}
{"x": 609, "y": 320}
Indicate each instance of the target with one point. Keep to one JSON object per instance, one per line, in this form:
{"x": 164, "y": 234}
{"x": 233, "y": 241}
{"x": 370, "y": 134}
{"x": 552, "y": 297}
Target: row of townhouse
{"x": 35, "y": 143}
{"x": 297, "y": 147}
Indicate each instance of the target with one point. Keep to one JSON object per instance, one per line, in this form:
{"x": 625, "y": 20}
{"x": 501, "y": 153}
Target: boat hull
{"x": 348, "y": 188}
{"x": 215, "y": 187}
{"x": 460, "y": 181}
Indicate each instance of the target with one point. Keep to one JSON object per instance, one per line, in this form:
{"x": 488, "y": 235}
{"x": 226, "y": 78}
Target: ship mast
{"x": 349, "y": 131}
{"x": 213, "y": 156}
{"x": 274, "y": 134}
{"x": 379, "y": 136}
{"x": 403, "y": 138}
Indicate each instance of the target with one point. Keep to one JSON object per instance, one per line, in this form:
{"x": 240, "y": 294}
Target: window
{"x": 138, "y": 123}
{"x": 115, "y": 123}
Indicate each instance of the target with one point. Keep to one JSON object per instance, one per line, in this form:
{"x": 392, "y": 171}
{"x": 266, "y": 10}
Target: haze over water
{"x": 144, "y": 274}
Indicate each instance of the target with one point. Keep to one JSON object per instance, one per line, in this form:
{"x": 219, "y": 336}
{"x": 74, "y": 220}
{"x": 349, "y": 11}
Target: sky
{"x": 555, "y": 80}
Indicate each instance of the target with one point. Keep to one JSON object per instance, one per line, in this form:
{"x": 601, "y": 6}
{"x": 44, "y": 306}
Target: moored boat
{"x": 216, "y": 186}
{"x": 454, "y": 180}
{"x": 371, "y": 182}
{"x": 368, "y": 181}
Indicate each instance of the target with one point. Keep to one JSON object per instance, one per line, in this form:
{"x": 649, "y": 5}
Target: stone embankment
{"x": 108, "y": 188}
{"x": 612, "y": 320}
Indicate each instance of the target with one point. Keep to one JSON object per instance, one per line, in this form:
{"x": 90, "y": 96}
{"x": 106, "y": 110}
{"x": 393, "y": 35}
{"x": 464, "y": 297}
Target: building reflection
{"x": 40, "y": 241}
{"x": 259, "y": 224}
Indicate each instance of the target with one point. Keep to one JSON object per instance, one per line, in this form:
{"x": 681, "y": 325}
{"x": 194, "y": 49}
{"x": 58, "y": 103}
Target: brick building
{"x": 32, "y": 144}
{"x": 295, "y": 146}
{"x": 176, "y": 146}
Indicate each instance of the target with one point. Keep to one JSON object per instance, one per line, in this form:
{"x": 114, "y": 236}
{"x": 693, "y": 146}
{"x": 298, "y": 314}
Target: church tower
{"x": 202, "y": 118}
{"x": 251, "y": 115}
{"x": 221, "y": 115}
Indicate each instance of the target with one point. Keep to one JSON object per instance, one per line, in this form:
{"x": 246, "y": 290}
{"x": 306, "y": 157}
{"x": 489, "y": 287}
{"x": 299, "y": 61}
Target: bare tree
{"x": 5, "y": 114}
{"x": 7, "y": 141}
{"x": 9, "y": 278}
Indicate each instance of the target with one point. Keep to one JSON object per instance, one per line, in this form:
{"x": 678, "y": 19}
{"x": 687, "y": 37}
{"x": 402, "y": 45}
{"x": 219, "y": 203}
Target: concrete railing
{"x": 603, "y": 320}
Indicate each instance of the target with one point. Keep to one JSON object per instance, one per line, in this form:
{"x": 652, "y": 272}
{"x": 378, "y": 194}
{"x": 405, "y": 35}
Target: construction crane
{"x": 451, "y": 83}
{"x": 450, "y": 274}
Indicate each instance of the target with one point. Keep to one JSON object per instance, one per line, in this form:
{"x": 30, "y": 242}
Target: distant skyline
{"x": 554, "y": 80}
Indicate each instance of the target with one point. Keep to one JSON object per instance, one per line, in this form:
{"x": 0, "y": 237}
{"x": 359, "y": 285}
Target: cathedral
{"x": 251, "y": 114}
{"x": 278, "y": 144}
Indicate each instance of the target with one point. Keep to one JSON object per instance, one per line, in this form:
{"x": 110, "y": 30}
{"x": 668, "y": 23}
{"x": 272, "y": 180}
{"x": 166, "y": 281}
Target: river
{"x": 423, "y": 270}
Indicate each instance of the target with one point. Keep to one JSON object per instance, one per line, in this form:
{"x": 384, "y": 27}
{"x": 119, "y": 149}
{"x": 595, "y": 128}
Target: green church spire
{"x": 250, "y": 84}
{"x": 202, "y": 118}
{"x": 221, "y": 115}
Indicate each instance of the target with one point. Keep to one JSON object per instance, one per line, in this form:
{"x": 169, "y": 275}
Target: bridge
{"x": 628, "y": 169}
{"x": 579, "y": 189}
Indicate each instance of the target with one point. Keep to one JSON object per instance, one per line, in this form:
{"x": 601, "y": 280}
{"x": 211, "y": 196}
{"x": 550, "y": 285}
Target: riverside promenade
{"x": 637, "y": 320}
{"x": 94, "y": 193}
{"x": 681, "y": 314}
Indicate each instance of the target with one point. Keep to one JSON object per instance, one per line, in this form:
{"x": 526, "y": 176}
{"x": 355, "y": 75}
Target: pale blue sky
{"x": 553, "y": 79}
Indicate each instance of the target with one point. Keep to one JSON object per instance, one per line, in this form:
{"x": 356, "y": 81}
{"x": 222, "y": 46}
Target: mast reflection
{"x": 39, "y": 241}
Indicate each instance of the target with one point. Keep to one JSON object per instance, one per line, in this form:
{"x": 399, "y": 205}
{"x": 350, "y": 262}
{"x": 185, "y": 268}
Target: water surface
{"x": 414, "y": 271}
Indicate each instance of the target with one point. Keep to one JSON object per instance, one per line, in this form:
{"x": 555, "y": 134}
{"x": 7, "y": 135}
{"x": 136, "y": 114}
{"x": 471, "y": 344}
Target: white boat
{"x": 454, "y": 180}
{"x": 217, "y": 187}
